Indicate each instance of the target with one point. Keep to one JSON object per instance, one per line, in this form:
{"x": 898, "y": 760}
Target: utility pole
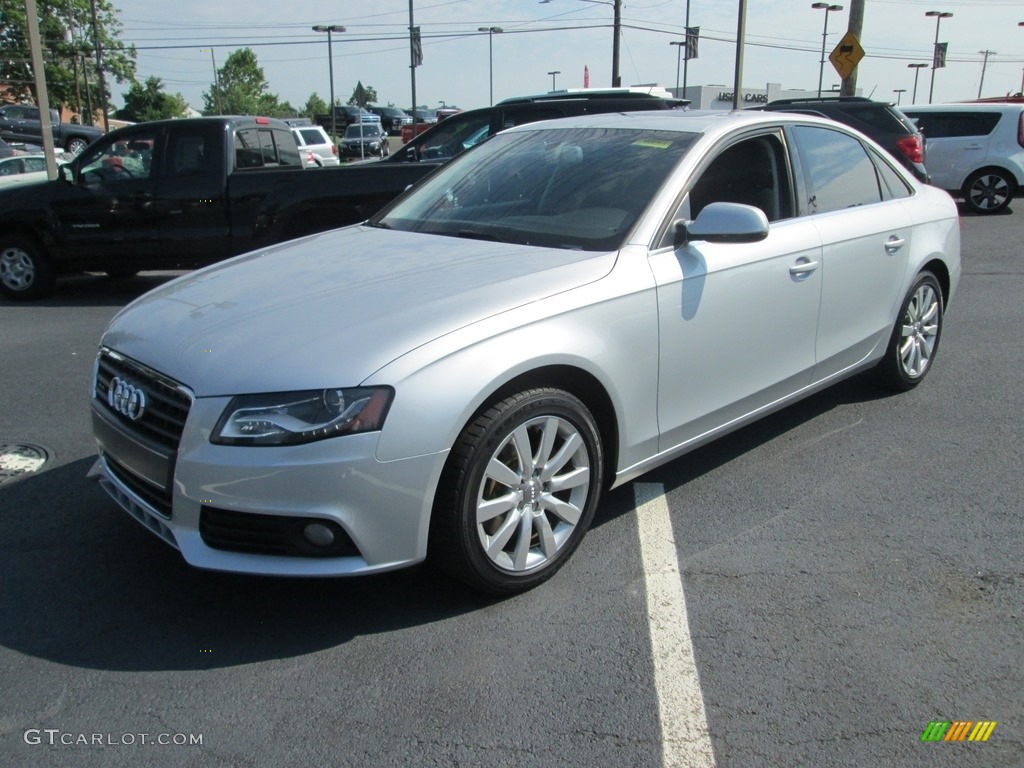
{"x": 99, "y": 68}
{"x": 856, "y": 26}
{"x": 984, "y": 63}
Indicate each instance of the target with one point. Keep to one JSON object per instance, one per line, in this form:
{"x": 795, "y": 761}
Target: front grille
{"x": 159, "y": 499}
{"x": 268, "y": 534}
{"x": 167, "y": 401}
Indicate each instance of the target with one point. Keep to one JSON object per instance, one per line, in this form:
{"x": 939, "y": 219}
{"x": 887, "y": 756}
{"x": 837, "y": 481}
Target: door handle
{"x": 894, "y": 243}
{"x": 803, "y": 267}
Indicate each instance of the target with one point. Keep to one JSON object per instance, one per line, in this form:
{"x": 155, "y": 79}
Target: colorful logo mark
{"x": 958, "y": 730}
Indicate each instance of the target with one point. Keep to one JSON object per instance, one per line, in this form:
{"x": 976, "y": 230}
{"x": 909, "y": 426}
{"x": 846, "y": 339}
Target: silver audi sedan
{"x": 557, "y": 311}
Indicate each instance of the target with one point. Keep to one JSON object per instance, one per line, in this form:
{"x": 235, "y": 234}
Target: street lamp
{"x": 939, "y": 16}
{"x": 828, "y": 9}
{"x": 899, "y": 94}
{"x": 679, "y": 55}
{"x": 616, "y": 33}
{"x": 490, "y": 48}
{"x": 917, "y": 71}
{"x": 329, "y": 28}
{"x": 1021, "y": 24}
{"x": 556, "y": 72}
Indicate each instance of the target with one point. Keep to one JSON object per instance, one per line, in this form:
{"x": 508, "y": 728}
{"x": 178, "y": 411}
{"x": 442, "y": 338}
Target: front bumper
{"x": 382, "y": 507}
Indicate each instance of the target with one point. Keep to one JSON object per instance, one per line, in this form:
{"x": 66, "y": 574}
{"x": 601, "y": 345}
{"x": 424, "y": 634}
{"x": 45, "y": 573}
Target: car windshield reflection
{"x": 581, "y": 188}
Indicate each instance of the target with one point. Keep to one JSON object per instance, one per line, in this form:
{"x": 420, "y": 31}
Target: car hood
{"x": 330, "y": 309}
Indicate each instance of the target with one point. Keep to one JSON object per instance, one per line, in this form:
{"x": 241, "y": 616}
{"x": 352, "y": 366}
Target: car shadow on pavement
{"x": 858, "y": 389}
{"x": 84, "y": 585}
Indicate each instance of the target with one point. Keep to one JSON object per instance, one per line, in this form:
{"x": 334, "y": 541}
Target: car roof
{"x": 961, "y": 107}
{"x": 710, "y": 122}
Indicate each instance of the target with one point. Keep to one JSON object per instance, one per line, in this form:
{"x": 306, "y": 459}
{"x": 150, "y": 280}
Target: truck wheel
{"x": 519, "y": 492}
{"x": 75, "y": 145}
{"x": 25, "y": 272}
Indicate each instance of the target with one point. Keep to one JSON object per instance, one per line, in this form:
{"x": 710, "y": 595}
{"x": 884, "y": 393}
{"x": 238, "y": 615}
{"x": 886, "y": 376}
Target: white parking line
{"x": 685, "y": 738}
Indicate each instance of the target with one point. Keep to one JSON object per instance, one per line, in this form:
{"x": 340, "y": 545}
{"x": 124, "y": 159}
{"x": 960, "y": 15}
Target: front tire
{"x": 519, "y": 492}
{"x": 25, "y": 273}
{"x": 988, "y": 191}
{"x": 915, "y": 337}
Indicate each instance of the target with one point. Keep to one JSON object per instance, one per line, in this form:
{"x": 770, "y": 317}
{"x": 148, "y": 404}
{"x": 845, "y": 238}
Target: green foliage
{"x": 65, "y": 27}
{"x": 315, "y": 106}
{"x": 149, "y": 102}
{"x": 242, "y": 89}
{"x": 363, "y": 95}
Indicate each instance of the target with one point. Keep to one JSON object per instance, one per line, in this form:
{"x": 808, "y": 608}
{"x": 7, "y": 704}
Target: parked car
{"x": 879, "y": 120}
{"x": 177, "y": 194}
{"x": 567, "y": 306}
{"x": 23, "y": 169}
{"x": 425, "y": 119}
{"x": 365, "y": 140}
{"x": 315, "y": 147}
{"x": 346, "y": 115}
{"x": 975, "y": 151}
{"x": 22, "y": 123}
{"x": 392, "y": 119}
{"x": 6, "y": 150}
{"x": 462, "y": 130}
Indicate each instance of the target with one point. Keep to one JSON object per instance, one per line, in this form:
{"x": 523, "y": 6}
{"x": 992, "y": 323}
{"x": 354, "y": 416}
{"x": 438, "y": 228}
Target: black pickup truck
{"x": 178, "y": 194}
{"x": 20, "y": 123}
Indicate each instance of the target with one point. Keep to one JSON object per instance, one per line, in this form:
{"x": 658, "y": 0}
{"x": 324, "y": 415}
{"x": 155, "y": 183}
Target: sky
{"x": 783, "y": 45}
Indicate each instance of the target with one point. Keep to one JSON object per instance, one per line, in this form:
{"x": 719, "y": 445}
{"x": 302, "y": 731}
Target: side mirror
{"x": 723, "y": 223}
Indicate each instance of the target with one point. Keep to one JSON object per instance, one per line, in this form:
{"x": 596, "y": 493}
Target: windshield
{"x": 582, "y": 188}
{"x": 363, "y": 129}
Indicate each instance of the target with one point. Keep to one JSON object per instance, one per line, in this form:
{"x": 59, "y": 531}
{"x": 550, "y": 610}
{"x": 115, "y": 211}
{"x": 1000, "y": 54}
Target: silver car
{"x": 552, "y": 314}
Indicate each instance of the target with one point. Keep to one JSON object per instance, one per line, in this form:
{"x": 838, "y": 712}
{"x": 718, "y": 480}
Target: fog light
{"x": 318, "y": 534}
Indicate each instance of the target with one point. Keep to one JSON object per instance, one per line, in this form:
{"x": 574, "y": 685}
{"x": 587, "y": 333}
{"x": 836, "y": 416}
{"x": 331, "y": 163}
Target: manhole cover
{"x": 18, "y": 459}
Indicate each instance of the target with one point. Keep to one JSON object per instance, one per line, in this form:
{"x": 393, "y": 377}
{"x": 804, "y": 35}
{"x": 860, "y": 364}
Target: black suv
{"x": 877, "y": 120}
{"x": 463, "y": 130}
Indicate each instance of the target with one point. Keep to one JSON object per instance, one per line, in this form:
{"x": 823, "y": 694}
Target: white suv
{"x": 315, "y": 146}
{"x": 974, "y": 151}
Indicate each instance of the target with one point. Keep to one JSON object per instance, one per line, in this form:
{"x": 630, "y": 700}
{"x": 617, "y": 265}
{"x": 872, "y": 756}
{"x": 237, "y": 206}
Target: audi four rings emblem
{"x": 126, "y": 398}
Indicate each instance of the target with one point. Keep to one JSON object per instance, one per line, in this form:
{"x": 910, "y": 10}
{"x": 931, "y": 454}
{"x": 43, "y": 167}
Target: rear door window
{"x": 942, "y": 125}
{"x": 839, "y": 172}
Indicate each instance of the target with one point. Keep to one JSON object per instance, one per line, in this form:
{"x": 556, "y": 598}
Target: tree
{"x": 149, "y": 102}
{"x": 363, "y": 95}
{"x": 69, "y": 52}
{"x": 241, "y": 88}
{"x": 315, "y": 106}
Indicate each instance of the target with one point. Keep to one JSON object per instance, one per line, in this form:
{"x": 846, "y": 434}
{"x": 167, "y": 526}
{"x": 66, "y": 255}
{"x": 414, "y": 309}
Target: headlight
{"x": 289, "y": 418}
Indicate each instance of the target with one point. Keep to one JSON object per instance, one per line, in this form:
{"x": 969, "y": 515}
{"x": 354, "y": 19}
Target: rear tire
{"x": 988, "y": 191}
{"x": 915, "y": 337}
{"x": 75, "y": 145}
{"x": 25, "y": 272}
{"x": 518, "y": 493}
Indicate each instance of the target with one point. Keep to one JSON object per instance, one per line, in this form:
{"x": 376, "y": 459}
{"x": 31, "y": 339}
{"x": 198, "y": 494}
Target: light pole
{"x": 329, "y": 28}
{"x": 490, "y": 49}
{"x": 917, "y": 71}
{"x": 824, "y": 33}
{"x": 616, "y": 32}
{"x": 939, "y": 16}
{"x": 679, "y": 55}
{"x": 899, "y": 94}
{"x": 1021, "y": 24}
{"x": 556, "y": 72}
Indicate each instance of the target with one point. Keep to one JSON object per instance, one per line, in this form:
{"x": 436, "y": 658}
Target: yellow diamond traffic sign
{"x": 846, "y": 55}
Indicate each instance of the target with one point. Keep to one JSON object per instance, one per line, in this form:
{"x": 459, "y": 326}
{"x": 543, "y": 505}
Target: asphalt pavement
{"x": 849, "y": 570}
